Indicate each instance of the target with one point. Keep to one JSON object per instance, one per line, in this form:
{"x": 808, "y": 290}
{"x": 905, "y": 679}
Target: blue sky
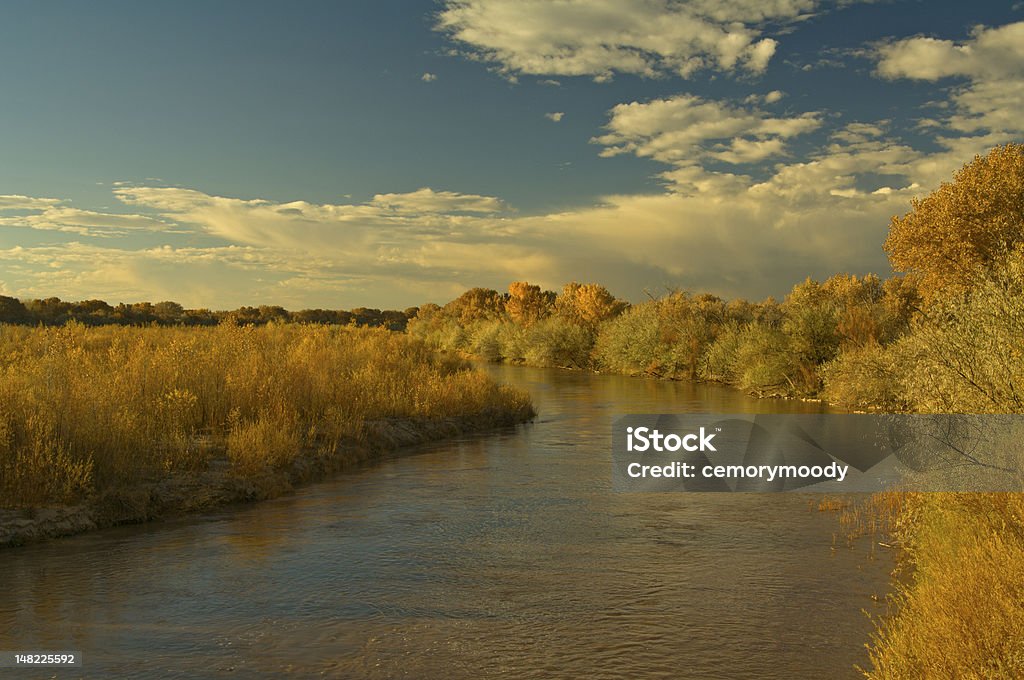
{"x": 324, "y": 154}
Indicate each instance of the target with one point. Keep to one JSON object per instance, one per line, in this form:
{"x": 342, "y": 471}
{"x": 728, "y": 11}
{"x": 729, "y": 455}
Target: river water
{"x": 499, "y": 555}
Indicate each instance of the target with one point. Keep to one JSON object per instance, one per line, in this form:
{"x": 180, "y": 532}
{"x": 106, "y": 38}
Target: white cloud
{"x": 769, "y": 98}
{"x": 991, "y": 53}
{"x": 18, "y": 202}
{"x": 427, "y": 200}
{"x": 992, "y": 64}
{"x": 684, "y": 129}
{"x": 556, "y": 116}
{"x": 50, "y": 214}
{"x": 856, "y": 132}
{"x": 751, "y": 229}
{"x": 428, "y": 77}
{"x": 598, "y": 39}
{"x": 216, "y": 277}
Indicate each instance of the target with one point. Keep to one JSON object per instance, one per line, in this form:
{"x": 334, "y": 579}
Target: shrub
{"x": 557, "y": 342}
{"x": 865, "y": 378}
{"x": 765, "y": 364}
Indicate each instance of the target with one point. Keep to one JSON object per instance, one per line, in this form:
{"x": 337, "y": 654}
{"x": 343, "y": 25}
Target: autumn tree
{"x": 528, "y": 304}
{"x": 587, "y": 304}
{"x": 811, "y": 316}
{"x": 966, "y": 227}
{"x": 273, "y": 313}
{"x": 476, "y": 304}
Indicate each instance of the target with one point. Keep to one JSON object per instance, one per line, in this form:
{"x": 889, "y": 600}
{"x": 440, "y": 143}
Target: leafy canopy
{"x": 966, "y": 228}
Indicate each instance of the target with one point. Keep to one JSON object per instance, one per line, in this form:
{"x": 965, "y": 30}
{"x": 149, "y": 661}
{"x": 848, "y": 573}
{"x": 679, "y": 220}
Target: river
{"x": 498, "y": 555}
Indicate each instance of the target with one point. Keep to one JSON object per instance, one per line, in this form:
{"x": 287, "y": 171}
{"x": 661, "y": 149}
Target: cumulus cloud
{"x": 990, "y": 63}
{"x": 751, "y": 231}
{"x": 599, "y": 39}
{"x": 990, "y": 53}
{"x": 556, "y": 116}
{"x": 733, "y": 234}
{"x": 428, "y": 77}
{"x": 854, "y": 133}
{"x": 686, "y": 129}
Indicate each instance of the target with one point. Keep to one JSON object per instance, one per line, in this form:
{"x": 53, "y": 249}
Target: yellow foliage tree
{"x": 527, "y": 304}
{"x": 587, "y": 304}
{"x": 966, "y": 227}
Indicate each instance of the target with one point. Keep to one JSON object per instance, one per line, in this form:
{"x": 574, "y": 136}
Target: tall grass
{"x": 83, "y": 409}
{"x": 959, "y": 615}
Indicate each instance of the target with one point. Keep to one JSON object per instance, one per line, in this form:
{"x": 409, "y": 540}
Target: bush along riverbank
{"x": 945, "y": 337}
{"x": 112, "y": 425}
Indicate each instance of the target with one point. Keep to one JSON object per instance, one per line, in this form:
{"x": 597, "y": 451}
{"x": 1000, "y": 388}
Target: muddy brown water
{"x": 504, "y": 555}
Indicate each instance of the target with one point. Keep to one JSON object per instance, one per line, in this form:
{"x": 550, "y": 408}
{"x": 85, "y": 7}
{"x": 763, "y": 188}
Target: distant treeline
{"x": 56, "y": 312}
{"x": 768, "y": 347}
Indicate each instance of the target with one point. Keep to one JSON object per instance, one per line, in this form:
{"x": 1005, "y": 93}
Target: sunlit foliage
{"x": 966, "y": 227}
{"x": 84, "y": 409}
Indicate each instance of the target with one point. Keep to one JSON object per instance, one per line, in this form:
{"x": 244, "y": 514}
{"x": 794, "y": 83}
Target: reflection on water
{"x": 499, "y": 555}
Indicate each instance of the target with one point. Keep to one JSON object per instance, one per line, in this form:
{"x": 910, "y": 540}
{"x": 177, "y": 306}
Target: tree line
{"x": 56, "y": 312}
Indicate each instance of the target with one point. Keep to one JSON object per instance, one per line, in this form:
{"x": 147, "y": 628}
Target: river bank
{"x": 106, "y": 426}
{"x": 187, "y": 493}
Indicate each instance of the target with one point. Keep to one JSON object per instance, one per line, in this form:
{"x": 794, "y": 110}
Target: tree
{"x": 12, "y": 310}
{"x": 964, "y": 229}
{"x": 476, "y": 304}
{"x": 273, "y": 313}
{"x": 92, "y": 312}
{"x": 587, "y": 304}
{"x": 527, "y": 304}
{"x": 168, "y": 312}
{"x": 51, "y": 311}
{"x": 367, "y": 316}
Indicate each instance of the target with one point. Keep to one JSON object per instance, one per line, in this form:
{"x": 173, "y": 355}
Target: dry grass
{"x": 961, "y": 612}
{"x": 829, "y": 504}
{"x": 880, "y": 514}
{"x": 86, "y": 409}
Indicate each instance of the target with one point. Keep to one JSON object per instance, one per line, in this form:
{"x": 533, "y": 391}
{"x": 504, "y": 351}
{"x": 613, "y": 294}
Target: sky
{"x": 388, "y": 153}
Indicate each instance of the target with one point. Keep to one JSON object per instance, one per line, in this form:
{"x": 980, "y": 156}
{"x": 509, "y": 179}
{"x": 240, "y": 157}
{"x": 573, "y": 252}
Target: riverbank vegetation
{"x": 86, "y": 410}
{"x": 959, "y": 613}
{"x": 766, "y": 348}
